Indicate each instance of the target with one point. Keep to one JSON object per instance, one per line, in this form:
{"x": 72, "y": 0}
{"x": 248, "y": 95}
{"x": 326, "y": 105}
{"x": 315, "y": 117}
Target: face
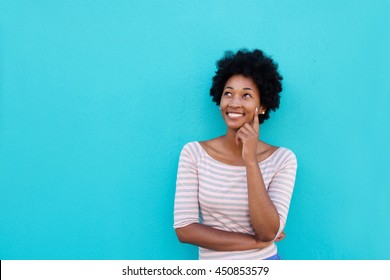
{"x": 239, "y": 100}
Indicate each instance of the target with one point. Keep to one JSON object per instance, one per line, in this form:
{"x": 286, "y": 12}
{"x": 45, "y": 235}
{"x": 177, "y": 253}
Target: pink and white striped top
{"x": 215, "y": 194}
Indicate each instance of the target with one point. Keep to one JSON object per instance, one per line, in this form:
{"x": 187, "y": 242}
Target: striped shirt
{"x": 215, "y": 194}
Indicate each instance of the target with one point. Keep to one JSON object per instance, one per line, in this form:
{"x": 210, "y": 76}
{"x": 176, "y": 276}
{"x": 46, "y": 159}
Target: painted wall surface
{"x": 98, "y": 97}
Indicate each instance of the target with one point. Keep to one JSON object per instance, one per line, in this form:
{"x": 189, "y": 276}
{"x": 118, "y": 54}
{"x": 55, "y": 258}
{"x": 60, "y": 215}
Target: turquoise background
{"x": 98, "y": 97}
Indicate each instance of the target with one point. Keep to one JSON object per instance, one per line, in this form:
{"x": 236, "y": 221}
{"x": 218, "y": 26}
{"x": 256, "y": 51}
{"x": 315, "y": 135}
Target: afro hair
{"x": 256, "y": 65}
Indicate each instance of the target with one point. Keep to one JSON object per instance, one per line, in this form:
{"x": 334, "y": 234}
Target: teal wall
{"x": 98, "y": 97}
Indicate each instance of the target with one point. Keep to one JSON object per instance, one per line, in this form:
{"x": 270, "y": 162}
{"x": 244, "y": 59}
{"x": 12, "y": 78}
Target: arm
{"x": 218, "y": 240}
{"x": 267, "y": 210}
{"x": 264, "y": 216}
{"x": 281, "y": 187}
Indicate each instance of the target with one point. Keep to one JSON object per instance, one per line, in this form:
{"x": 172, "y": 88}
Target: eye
{"x": 227, "y": 93}
{"x": 247, "y": 95}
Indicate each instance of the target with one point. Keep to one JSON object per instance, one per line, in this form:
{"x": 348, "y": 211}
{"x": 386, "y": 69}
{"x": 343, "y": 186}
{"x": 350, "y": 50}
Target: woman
{"x": 233, "y": 192}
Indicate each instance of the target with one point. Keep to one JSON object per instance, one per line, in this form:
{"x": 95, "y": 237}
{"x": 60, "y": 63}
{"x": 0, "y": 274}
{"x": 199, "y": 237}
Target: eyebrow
{"x": 247, "y": 88}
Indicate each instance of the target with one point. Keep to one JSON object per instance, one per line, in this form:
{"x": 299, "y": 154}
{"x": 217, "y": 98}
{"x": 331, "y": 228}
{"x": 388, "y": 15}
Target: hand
{"x": 248, "y": 134}
{"x": 281, "y": 236}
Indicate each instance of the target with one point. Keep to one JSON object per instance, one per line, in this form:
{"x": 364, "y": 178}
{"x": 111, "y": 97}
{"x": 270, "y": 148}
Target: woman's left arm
{"x": 263, "y": 213}
{"x": 278, "y": 193}
{"x": 267, "y": 213}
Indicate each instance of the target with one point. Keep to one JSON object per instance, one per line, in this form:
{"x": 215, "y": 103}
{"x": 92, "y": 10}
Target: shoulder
{"x": 284, "y": 156}
{"x": 192, "y": 150}
{"x": 211, "y": 145}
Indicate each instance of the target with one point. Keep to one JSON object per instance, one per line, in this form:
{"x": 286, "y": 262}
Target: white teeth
{"x": 234, "y": 115}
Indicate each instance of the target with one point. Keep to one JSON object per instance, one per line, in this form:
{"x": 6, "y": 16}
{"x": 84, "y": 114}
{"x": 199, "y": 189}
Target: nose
{"x": 235, "y": 102}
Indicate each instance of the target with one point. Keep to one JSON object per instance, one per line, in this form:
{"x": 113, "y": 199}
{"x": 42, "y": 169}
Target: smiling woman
{"x": 239, "y": 101}
{"x": 233, "y": 192}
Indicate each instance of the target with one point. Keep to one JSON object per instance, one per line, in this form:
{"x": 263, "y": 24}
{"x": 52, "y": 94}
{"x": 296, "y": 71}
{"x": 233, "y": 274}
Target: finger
{"x": 241, "y": 135}
{"x": 281, "y": 236}
{"x": 244, "y": 132}
{"x": 249, "y": 130}
{"x": 256, "y": 120}
{"x": 247, "y": 127}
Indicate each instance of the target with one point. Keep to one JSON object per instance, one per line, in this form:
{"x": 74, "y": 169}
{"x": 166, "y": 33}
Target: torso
{"x": 216, "y": 150}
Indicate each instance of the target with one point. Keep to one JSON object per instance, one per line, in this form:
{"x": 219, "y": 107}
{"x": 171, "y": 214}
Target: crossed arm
{"x": 218, "y": 240}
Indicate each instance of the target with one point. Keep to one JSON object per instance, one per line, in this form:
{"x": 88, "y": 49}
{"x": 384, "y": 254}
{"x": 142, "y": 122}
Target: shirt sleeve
{"x": 282, "y": 185}
{"x": 186, "y": 207}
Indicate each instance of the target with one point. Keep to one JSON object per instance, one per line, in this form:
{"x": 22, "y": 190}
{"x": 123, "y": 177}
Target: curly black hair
{"x": 256, "y": 65}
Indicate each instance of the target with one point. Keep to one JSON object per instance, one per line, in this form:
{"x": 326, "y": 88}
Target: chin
{"x": 235, "y": 126}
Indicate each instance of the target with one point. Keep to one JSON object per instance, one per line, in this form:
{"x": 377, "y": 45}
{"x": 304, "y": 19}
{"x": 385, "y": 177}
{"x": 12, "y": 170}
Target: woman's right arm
{"x": 218, "y": 240}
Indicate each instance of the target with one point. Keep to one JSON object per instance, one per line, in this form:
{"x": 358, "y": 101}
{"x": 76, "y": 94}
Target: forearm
{"x": 263, "y": 214}
{"x": 218, "y": 240}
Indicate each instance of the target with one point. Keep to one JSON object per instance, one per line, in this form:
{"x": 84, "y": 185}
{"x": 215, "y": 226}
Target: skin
{"x": 240, "y": 106}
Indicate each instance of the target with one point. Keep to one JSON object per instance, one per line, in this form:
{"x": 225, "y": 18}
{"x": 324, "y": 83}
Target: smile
{"x": 235, "y": 115}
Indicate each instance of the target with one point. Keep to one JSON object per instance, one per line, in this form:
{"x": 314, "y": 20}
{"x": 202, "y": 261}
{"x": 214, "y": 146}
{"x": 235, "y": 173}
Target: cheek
{"x": 253, "y": 105}
{"x": 223, "y": 103}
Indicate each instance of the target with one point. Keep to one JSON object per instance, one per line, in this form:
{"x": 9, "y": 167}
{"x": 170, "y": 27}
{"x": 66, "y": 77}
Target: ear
{"x": 262, "y": 110}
